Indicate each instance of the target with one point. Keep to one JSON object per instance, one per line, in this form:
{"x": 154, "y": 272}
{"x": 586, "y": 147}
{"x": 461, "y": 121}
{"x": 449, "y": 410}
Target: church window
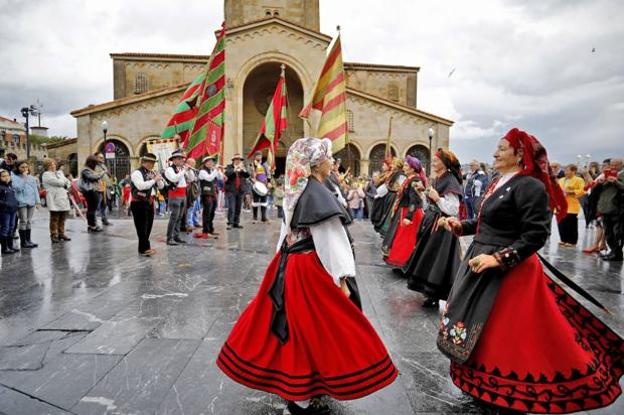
{"x": 268, "y": 13}
{"x": 276, "y": 13}
{"x": 393, "y": 92}
{"x": 376, "y": 158}
{"x": 350, "y": 121}
{"x": 140, "y": 83}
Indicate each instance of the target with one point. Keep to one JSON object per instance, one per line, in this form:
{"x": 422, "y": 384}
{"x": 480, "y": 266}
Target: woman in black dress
{"x": 515, "y": 338}
{"x": 435, "y": 260}
{"x": 393, "y": 184}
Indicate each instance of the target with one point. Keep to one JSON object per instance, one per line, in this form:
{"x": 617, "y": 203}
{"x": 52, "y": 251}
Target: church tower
{"x": 300, "y": 12}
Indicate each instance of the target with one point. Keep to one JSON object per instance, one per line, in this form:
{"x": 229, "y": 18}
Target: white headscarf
{"x": 304, "y": 154}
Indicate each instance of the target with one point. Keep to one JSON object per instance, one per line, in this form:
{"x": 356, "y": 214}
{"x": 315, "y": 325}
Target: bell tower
{"x": 300, "y": 12}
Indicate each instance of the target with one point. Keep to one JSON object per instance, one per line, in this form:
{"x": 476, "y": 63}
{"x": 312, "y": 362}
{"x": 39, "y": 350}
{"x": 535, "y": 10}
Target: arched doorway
{"x": 72, "y": 161}
{"x": 258, "y": 92}
{"x": 376, "y": 158}
{"x": 350, "y": 158}
{"x": 119, "y": 166}
{"x": 422, "y": 153}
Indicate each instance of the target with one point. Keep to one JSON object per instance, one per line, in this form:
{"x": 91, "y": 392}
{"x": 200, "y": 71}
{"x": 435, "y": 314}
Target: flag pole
{"x": 389, "y": 140}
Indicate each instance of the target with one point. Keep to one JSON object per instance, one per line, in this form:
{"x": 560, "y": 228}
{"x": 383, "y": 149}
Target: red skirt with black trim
{"x": 541, "y": 351}
{"x": 332, "y": 348}
{"x": 404, "y": 240}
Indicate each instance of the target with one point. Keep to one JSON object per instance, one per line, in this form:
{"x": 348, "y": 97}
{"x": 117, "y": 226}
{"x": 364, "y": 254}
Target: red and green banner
{"x": 207, "y": 130}
{"x": 184, "y": 114}
{"x": 275, "y": 121}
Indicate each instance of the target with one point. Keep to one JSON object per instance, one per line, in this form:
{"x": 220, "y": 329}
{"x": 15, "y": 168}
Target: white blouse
{"x": 332, "y": 247}
{"x": 449, "y": 204}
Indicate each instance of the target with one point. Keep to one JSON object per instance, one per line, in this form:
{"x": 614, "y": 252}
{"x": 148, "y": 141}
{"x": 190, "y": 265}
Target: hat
{"x": 176, "y": 154}
{"x": 149, "y": 157}
{"x": 237, "y": 156}
{"x": 205, "y": 159}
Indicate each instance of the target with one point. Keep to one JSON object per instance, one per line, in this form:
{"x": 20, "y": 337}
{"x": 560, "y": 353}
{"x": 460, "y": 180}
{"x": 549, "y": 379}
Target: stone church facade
{"x": 261, "y": 35}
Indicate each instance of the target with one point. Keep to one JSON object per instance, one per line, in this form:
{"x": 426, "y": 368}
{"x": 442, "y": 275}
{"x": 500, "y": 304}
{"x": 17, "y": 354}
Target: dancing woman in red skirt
{"x": 515, "y": 338}
{"x": 304, "y": 334}
{"x": 400, "y": 240}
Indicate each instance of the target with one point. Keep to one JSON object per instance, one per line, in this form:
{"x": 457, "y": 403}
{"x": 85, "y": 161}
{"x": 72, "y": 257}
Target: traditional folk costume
{"x": 436, "y": 257}
{"x": 515, "y": 338}
{"x": 236, "y": 175}
{"x": 301, "y": 336}
{"x": 381, "y": 191}
{"x": 143, "y": 189}
{"x": 261, "y": 173}
{"x": 176, "y": 177}
{"x": 393, "y": 186}
{"x": 209, "y": 195}
{"x": 400, "y": 241}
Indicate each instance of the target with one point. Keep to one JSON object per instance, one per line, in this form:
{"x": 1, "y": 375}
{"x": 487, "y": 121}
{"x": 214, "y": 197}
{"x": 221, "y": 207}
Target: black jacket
{"x": 8, "y": 201}
{"x": 230, "y": 184}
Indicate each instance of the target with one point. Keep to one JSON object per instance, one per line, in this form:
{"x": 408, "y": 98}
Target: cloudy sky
{"x": 552, "y": 67}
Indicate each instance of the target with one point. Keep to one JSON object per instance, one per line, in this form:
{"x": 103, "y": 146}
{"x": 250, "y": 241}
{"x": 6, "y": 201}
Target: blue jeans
{"x": 357, "y": 213}
{"x": 192, "y": 216}
{"x": 7, "y": 223}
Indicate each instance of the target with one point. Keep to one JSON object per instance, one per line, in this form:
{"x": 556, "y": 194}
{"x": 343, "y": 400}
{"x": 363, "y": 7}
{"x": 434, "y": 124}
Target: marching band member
{"x": 143, "y": 184}
{"x": 515, "y": 338}
{"x": 176, "y": 176}
{"x": 208, "y": 176}
{"x": 236, "y": 175}
{"x": 436, "y": 257}
{"x": 260, "y": 173}
{"x": 400, "y": 240}
{"x": 303, "y": 335}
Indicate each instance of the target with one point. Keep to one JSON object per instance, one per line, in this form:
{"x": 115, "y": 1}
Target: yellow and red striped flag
{"x": 330, "y": 98}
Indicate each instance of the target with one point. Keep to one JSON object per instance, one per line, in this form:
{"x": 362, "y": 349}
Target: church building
{"x": 261, "y": 35}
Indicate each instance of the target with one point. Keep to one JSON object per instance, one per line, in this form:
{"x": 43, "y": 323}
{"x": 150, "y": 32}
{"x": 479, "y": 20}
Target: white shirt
{"x": 139, "y": 183}
{"x": 178, "y": 178}
{"x": 449, "y": 204}
{"x": 332, "y": 247}
{"x": 214, "y": 174}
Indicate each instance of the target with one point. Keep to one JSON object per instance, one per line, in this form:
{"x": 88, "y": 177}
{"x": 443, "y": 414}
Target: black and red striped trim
{"x": 298, "y": 387}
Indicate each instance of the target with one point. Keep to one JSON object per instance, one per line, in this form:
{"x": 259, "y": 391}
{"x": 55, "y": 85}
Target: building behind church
{"x": 261, "y": 35}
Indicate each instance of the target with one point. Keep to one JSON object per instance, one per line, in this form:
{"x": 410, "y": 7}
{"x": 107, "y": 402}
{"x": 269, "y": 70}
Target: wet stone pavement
{"x": 89, "y": 327}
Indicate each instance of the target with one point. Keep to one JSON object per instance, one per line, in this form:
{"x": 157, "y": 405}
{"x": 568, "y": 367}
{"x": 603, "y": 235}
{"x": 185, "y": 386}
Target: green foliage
{"x": 39, "y": 139}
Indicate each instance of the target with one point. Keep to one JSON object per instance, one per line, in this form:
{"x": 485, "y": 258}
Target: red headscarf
{"x": 535, "y": 163}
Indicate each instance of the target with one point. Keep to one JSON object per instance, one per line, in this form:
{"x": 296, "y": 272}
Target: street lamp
{"x": 104, "y": 130}
{"x": 26, "y": 113}
{"x": 430, "y": 151}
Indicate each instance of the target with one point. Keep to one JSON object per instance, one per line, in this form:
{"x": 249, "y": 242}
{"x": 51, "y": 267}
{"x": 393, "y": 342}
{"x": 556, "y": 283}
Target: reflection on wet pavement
{"x": 90, "y": 327}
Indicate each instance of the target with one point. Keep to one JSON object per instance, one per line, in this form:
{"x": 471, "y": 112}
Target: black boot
{"x": 23, "y": 239}
{"x": 30, "y": 242}
{"x": 6, "y": 248}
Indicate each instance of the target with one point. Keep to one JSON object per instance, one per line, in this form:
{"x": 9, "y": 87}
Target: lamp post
{"x": 105, "y": 131}
{"x": 430, "y": 132}
{"x": 26, "y": 113}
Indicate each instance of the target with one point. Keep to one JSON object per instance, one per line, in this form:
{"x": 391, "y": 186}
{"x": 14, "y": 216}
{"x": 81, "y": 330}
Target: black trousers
{"x": 235, "y": 203}
{"x": 259, "y": 202}
{"x": 613, "y": 232}
{"x": 568, "y": 228}
{"x": 93, "y": 201}
{"x": 209, "y": 207}
{"x": 143, "y": 215}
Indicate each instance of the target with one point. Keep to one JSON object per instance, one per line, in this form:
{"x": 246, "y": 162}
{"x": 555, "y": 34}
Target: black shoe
{"x": 94, "y": 229}
{"x": 238, "y": 227}
{"x": 229, "y": 228}
{"x": 55, "y": 240}
{"x": 64, "y": 238}
{"x": 179, "y": 240}
{"x": 312, "y": 409}
{"x": 431, "y": 303}
{"x": 23, "y": 239}
{"x": 171, "y": 242}
{"x": 106, "y": 223}
{"x": 4, "y": 243}
{"x": 613, "y": 258}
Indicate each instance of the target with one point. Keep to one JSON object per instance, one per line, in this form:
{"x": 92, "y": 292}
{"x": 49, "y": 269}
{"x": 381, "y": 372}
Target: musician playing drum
{"x": 261, "y": 175}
